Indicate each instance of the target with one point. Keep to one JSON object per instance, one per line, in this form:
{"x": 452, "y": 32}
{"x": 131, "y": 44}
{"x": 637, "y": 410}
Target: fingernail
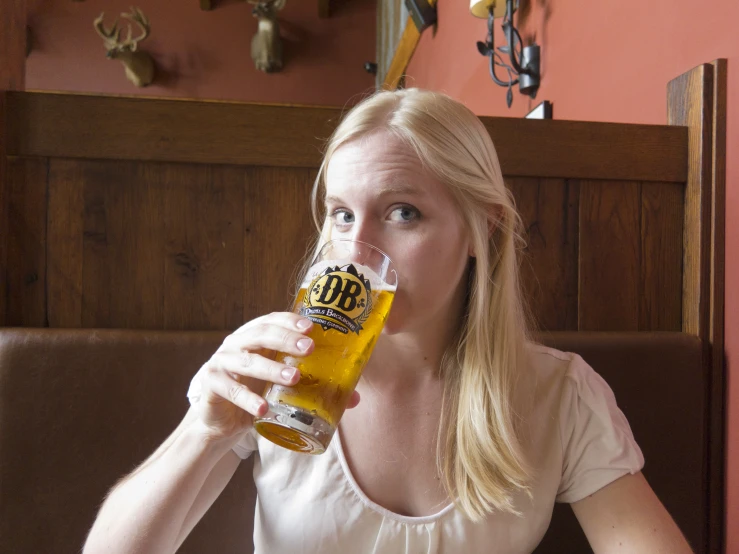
{"x": 304, "y": 324}
{"x": 304, "y": 344}
{"x": 288, "y": 373}
{"x": 257, "y": 406}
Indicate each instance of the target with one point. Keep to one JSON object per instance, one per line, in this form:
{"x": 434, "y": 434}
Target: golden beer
{"x": 348, "y": 304}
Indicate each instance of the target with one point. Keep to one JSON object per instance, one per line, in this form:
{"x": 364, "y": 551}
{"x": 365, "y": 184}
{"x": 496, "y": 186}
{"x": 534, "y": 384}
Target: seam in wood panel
{"x": 46, "y": 247}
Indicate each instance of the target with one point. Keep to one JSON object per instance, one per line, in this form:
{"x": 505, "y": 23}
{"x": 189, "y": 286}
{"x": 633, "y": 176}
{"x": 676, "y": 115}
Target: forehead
{"x": 380, "y": 160}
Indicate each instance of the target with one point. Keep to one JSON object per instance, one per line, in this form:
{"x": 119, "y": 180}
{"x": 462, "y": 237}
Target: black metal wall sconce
{"x": 524, "y": 66}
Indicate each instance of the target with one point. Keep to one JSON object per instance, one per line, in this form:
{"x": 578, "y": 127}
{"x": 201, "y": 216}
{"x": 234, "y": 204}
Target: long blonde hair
{"x": 479, "y": 448}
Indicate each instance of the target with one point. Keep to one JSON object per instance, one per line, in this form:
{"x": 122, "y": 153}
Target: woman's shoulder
{"x": 550, "y": 364}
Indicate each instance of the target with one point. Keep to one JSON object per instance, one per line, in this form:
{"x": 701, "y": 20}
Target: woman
{"x": 467, "y": 432}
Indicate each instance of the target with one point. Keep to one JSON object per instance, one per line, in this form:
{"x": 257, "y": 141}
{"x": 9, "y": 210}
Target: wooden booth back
{"x": 171, "y": 215}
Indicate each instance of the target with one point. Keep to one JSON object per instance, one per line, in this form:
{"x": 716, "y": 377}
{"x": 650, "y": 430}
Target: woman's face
{"x": 377, "y": 192}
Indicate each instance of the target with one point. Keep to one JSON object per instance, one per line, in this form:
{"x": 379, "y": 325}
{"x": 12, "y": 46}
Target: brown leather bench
{"x": 80, "y": 408}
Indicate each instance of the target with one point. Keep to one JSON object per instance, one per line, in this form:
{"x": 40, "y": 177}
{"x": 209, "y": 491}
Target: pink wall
{"x": 207, "y": 54}
{"x": 610, "y": 61}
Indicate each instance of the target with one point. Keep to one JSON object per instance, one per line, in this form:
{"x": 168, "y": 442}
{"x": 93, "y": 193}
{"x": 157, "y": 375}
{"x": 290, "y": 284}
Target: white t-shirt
{"x": 577, "y": 439}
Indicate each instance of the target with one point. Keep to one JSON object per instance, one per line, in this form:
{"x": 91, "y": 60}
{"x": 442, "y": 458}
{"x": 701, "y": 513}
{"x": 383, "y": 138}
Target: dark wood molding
{"x": 4, "y": 212}
{"x": 13, "y": 40}
{"x": 716, "y": 323}
{"x": 125, "y": 128}
{"x": 589, "y": 150}
{"x": 150, "y": 129}
{"x": 697, "y": 100}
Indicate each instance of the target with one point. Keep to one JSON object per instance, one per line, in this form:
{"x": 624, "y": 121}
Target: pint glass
{"x": 347, "y": 294}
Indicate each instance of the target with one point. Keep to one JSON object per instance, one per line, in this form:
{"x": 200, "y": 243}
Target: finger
{"x": 251, "y": 364}
{"x": 271, "y": 336}
{"x": 353, "y": 400}
{"x": 228, "y": 388}
{"x": 285, "y": 319}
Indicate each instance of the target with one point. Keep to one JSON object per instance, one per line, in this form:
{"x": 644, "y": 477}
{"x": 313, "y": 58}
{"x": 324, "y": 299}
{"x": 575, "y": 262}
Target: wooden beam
{"x": 403, "y": 53}
{"x": 689, "y": 104}
{"x": 697, "y": 101}
{"x": 145, "y": 129}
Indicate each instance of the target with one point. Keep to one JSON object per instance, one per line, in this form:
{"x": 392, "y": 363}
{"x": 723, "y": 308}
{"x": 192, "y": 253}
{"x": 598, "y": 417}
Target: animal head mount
{"x": 266, "y": 9}
{"x": 266, "y": 46}
{"x": 139, "y": 65}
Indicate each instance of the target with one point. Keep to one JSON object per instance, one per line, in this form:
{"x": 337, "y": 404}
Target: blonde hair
{"x": 479, "y": 448}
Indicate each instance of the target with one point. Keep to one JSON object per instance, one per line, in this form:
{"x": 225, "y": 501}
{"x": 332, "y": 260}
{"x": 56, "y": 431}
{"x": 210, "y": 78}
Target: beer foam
{"x": 376, "y": 282}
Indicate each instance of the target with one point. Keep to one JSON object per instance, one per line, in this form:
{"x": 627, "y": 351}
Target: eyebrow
{"x": 399, "y": 188}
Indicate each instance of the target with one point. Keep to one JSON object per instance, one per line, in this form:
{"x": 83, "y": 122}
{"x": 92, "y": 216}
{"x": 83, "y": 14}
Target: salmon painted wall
{"x": 206, "y": 54}
{"x": 610, "y": 61}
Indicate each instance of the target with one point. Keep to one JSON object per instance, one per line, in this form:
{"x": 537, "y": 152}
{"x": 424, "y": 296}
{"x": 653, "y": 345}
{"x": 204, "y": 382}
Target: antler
{"x": 111, "y": 37}
{"x": 136, "y": 16}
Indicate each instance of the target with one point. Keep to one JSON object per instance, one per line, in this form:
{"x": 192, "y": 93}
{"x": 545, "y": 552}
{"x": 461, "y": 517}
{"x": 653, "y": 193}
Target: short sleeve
{"x": 597, "y": 443}
{"x": 247, "y": 444}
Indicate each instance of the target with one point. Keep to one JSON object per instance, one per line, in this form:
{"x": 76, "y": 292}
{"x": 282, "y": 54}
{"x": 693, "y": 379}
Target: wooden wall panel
{"x": 191, "y": 246}
{"x": 123, "y": 260}
{"x": 204, "y": 266}
{"x": 146, "y": 129}
{"x": 549, "y": 210}
{"x": 64, "y": 246}
{"x": 27, "y": 242}
{"x": 277, "y": 231}
{"x": 173, "y": 246}
{"x": 660, "y": 308}
{"x": 610, "y": 256}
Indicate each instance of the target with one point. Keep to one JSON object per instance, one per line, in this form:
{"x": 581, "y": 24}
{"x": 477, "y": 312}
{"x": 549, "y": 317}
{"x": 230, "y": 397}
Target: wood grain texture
{"x": 27, "y": 242}
{"x": 5, "y": 273}
{"x": 64, "y": 244}
{"x": 697, "y": 100}
{"x": 124, "y": 249}
{"x": 13, "y": 45}
{"x": 660, "y": 308}
{"x": 93, "y": 127}
{"x": 277, "y": 230}
{"x": 549, "y": 210}
{"x": 717, "y": 401}
{"x": 689, "y": 101}
{"x": 610, "y": 256}
{"x": 147, "y": 129}
{"x": 585, "y": 150}
{"x": 204, "y": 263}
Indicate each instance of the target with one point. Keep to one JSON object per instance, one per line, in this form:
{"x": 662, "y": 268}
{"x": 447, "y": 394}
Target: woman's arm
{"x": 626, "y": 516}
{"x": 155, "y": 507}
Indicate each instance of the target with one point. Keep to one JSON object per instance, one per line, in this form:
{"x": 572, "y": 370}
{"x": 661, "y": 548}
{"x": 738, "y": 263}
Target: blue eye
{"x": 405, "y": 214}
{"x": 343, "y": 217}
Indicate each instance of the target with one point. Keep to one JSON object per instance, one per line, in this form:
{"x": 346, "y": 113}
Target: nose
{"x": 365, "y": 231}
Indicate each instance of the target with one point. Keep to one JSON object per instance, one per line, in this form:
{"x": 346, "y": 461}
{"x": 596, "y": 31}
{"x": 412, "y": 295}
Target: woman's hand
{"x": 236, "y": 374}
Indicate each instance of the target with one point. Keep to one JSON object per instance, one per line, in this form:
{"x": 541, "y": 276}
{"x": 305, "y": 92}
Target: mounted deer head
{"x": 139, "y": 65}
{"x": 266, "y": 46}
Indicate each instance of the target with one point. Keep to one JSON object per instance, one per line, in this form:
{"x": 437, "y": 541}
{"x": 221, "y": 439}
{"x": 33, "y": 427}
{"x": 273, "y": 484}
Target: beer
{"x": 348, "y": 304}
